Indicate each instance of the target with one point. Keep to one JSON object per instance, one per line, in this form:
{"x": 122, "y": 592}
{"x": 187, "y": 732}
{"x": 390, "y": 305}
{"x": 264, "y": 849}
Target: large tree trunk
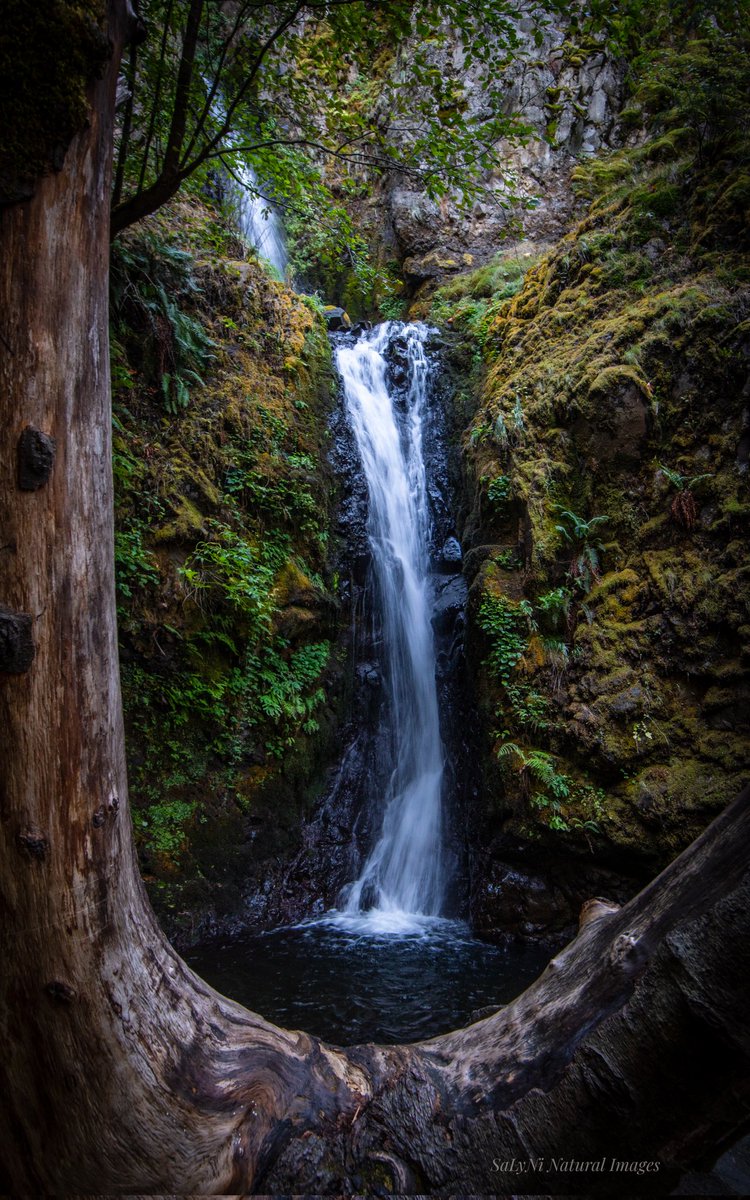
{"x": 96, "y": 1008}
{"x": 121, "y": 1071}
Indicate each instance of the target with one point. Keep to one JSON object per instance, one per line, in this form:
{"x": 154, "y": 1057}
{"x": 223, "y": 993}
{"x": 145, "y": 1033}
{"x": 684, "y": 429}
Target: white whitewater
{"x": 402, "y": 881}
{"x": 259, "y": 220}
{"x": 256, "y": 217}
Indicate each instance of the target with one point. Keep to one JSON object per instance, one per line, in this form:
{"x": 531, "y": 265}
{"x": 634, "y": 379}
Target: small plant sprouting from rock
{"x": 587, "y": 547}
{"x": 498, "y": 493}
{"x": 683, "y": 508}
{"x": 554, "y": 606}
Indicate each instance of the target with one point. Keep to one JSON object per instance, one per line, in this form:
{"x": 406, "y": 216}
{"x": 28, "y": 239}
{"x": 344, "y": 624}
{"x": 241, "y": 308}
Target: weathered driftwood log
{"x": 121, "y": 1071}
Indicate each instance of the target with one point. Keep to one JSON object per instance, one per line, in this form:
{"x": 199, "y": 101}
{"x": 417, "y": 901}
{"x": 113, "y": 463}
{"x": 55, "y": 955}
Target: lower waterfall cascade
{"x": 404, "y": 871}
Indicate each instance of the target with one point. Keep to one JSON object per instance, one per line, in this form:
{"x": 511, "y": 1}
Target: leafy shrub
{"x": 498, "y": 491}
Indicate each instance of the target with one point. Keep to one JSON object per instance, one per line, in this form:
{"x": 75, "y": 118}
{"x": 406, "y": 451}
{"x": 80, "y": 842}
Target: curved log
{"x": 121, "y": 1070}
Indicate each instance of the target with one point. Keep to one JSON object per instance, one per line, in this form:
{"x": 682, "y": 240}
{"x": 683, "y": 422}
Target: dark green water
{"x": 350, "y": 985}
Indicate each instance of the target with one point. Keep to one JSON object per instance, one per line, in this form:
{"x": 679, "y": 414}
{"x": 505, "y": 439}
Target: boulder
{"x": 337, "y": 318}
{"x": 449, "y": 603}
{"x": 451, "y": 556}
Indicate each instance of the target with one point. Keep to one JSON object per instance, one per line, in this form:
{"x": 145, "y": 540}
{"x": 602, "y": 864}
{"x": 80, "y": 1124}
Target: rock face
{"x": 569, "y": 94}
{"x": 604, "y": 537}
{"x": 227, "y": 608}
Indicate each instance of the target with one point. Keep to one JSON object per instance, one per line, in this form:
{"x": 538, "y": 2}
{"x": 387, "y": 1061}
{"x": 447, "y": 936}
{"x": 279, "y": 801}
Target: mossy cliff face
{"x": 223, "y": 389}
{"x": 607, "y": 522}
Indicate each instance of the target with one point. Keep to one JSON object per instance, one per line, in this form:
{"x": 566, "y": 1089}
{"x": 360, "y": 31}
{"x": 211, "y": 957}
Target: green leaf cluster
{"x": 151, "y": 284}
{"x": 506, "y": 626}
{"x": 568, "y": 805}
{"x": 498, "y": 492}
{"x": 587, "y": 547}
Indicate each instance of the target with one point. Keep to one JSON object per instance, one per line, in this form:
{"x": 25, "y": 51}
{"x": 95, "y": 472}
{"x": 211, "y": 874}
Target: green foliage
{"x": 554, "y": 606}
{"x": 278, "y": 496}
{"x": 163, "y": 827}
{"x": 150, "y": 281}
{"x": 223, "y": 623}
{"x": 683, "y": 482}
{"x": 135, "y": 567}
{"x": 508, "y": 559}
{"x": 568, "y": 804}
{"x": 588, "y": 547}
{"x": 283, "y": 686}
{"x": 507, "y": 627}
{"x": 472, "y": 301}
{"x": 530, "y": 708}
{"x": 392, "y": 308}
{"x": 690, "y": 74}
{"x": 325, "y": 247}
{"x": 699, "y": 84}
{"x": 238, "y": 574}
{"x": 498, "y": 492}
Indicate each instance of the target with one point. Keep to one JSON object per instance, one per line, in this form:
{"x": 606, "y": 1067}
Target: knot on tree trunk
{"x": 36, "y": 458}
{"x": 16, "y": 645}
{"x": 34, "y": 843}
{"x": 594, "y": 910}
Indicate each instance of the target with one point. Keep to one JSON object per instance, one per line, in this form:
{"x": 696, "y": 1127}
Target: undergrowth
{"x": 221, "y": 395}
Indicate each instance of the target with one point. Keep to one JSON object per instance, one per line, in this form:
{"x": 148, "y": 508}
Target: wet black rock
{"x": 449, "y": 603}
{"x": 369, "y": 674}
{"x": 337, "y": 318}
{"x": 451, "y": 555}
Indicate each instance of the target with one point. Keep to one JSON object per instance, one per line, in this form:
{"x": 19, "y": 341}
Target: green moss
{"x": 619, "y": 354}
{"x": 614, "y": 378}
{"x": 471, "y": 300}
{"x": 223, "y": 515}
{"x": 187, "y": 523}
{"x": 49, "y": 54}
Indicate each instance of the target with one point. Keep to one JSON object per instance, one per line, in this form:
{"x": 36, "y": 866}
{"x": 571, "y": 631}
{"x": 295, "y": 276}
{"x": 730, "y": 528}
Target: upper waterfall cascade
{"x": 259, "y": 220}
{"x": 256, "y": 216}
{"x": 404, "y": 872}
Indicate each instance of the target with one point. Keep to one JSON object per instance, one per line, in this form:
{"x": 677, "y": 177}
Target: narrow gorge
{"x": 375, "y": 605}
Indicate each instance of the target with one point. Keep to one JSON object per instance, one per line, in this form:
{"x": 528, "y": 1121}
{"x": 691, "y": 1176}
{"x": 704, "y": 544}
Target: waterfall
{"x": 404, "y": 872}
{"x": 256, "y": 217}
{"x": 258, "y": 220}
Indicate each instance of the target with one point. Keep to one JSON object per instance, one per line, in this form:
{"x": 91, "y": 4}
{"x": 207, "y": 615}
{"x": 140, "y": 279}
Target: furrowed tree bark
{"x": 121, "y": 1071}
{"x": 96, "y": 1008}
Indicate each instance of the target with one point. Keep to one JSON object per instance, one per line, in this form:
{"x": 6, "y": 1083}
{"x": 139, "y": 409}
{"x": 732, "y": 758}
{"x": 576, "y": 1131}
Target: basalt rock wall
{"x": 605, "y": 509}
